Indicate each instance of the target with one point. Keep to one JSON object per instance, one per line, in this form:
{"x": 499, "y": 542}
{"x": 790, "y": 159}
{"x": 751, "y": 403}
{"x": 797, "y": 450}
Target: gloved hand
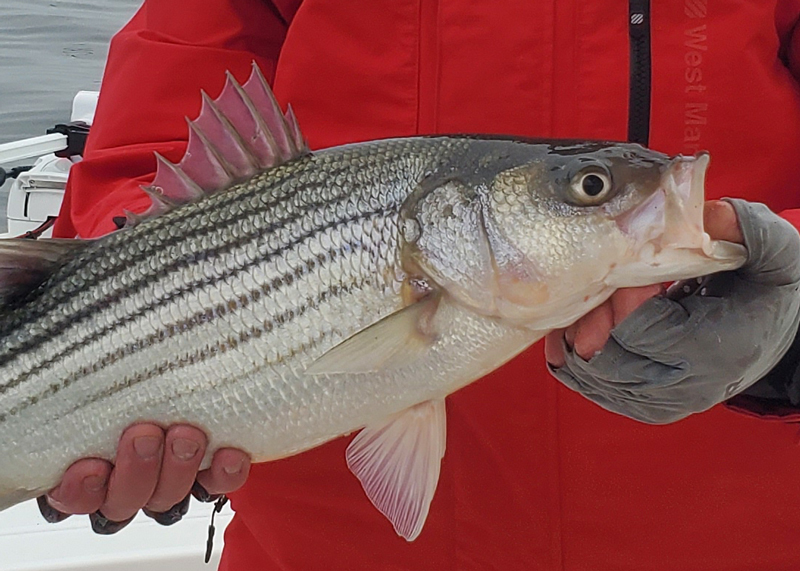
{"x": 701, "y": 343}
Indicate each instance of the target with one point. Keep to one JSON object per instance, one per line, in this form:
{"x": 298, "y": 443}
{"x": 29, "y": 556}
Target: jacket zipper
{"x": 640, "y": 67}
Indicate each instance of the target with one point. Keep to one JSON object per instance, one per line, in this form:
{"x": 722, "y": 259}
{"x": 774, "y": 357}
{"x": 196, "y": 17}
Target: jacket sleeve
{"x": 790, "y": 54}
{"x": 788, "y": 24}
{"x": 156, "y": 67}
{"x": 777, "y": 395}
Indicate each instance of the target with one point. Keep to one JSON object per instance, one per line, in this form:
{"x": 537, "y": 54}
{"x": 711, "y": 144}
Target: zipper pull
{"x": 639, "y": 11}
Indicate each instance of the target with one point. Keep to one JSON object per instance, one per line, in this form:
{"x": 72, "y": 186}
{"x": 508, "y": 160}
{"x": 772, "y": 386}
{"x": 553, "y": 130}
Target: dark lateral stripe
{"x": 36, "y": 341}
{"x": 302, "y": 348}
{"x": 197, "y": 319}
{"x": 201, "y": 355}
{"x": 124, "y": 263}
{"x": 186, "y": 288}
{"x": 183, "y": 326}
{"x": 119, "y": 264}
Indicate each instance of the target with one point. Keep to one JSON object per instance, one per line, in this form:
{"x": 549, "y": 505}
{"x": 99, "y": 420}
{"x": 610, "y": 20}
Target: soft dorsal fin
{"x": 237, "y": 134}
{"x": 25, "y": 263}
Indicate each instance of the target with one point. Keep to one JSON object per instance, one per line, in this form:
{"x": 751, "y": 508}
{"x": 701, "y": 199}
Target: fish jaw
{"x": 666, "y": 232}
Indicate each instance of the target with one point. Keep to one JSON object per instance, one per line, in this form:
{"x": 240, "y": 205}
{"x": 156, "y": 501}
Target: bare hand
{"x": 154, "y": 470}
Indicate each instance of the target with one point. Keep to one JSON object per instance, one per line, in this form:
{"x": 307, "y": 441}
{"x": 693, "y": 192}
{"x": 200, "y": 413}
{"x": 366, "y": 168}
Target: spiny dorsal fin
{"x": 237, "y": 134}
{"x": 25, "y": 263}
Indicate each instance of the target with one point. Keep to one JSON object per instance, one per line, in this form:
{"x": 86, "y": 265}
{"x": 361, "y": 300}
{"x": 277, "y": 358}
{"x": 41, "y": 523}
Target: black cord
{"x": 210, "y": 541}
{"x": 12, "y": 173}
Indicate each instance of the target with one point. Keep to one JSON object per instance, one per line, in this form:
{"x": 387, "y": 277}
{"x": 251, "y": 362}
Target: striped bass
{"x": 322, "y": 293}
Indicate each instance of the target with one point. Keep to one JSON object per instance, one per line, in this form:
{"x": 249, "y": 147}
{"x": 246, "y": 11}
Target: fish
{"x": 279, "y": 298}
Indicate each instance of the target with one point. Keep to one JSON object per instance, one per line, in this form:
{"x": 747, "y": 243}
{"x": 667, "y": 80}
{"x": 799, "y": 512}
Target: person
{"x": 535, "y": 475}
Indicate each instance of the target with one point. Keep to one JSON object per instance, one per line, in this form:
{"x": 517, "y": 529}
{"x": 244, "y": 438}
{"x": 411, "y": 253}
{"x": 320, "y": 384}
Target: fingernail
{"x": 94, "y": 483}
{"x": 184, "y": 449}
{"x": 54, "y": 499}
{"x": 147, "y": 446}
{"x": 233, "y": 468}
{"x": 54, "y": 494}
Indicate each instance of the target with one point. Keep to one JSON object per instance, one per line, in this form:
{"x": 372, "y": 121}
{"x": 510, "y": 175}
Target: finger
{"x": 202, "y": 495}
{"x": 184, "y": 448}
{"x": 625, "y": 301}
{"x": 49, "y": 513}
{"x": 569, "y": 334}
{"x": 135, "y": 473}
{"x": 554, "y": 349}
{"x": 720, "y": 222}
{"x": 101, "y": 525}
{"x": 83, "y": 487}
{"x": 593, "y": 331}
{"x": 773, "y": 245}
{"x": 228, "y": 472}
{"x": 172, "y": 515}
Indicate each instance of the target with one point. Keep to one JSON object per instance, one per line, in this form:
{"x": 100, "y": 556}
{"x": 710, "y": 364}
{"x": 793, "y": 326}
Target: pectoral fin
{"x": 398, "y": 463}
{"x": 391, "y": 342}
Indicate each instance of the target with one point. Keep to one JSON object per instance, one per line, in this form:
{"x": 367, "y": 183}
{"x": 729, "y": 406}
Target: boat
{"x": 36, "y": 194}
{"x": 27, "y": 542}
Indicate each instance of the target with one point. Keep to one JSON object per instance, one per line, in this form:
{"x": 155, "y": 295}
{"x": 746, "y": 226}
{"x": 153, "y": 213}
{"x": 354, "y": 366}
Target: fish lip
{"x": 685, "y": 196}
{"x": 687, "y": 175}
{"x": 672, "y": 216}
{"x": 666, "y": 234}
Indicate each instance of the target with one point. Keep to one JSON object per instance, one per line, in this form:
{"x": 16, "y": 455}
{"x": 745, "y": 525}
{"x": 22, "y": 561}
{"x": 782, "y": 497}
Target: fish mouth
{"x": 667, "y": 231}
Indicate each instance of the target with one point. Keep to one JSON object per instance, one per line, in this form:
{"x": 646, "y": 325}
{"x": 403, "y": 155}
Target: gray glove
{"x": 706, "y": 340}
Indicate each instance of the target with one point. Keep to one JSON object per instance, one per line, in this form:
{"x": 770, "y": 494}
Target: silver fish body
{"x": 209, "y": 315}
{"x": 220, "y": 313}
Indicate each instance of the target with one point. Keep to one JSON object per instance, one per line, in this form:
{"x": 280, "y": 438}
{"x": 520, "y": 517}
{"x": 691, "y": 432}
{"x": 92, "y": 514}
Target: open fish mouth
{"x": 667, "y": 230}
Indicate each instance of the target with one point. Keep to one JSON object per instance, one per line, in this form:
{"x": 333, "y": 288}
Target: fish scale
{"x": 93, "y": 348}
{"x": 283, "y": 237}
{"x": 355, "y": 287}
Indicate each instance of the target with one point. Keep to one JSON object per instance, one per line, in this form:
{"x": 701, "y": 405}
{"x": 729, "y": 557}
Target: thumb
{"x": 721, "y": 223}
{"x": 773, "y": 244}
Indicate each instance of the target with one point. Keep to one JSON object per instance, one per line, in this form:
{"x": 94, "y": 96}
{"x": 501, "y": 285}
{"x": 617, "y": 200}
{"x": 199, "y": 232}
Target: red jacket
{"x": 535, "y": 477}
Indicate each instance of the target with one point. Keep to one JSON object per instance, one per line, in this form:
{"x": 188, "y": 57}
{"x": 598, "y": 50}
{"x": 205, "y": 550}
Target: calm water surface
{"x": 50, "y": 50}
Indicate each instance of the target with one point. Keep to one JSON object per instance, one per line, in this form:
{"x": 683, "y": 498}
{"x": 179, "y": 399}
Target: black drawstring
{"x": 210, "y": 541}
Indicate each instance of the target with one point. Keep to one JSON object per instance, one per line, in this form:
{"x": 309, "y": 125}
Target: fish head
{"x": 554, "y": 235}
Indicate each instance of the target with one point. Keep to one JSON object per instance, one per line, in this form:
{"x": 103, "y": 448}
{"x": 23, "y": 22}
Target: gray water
{"x": 50, "y": 50}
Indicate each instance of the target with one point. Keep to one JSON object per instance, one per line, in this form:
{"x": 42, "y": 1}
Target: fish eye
{"x": 590, "y": 186}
